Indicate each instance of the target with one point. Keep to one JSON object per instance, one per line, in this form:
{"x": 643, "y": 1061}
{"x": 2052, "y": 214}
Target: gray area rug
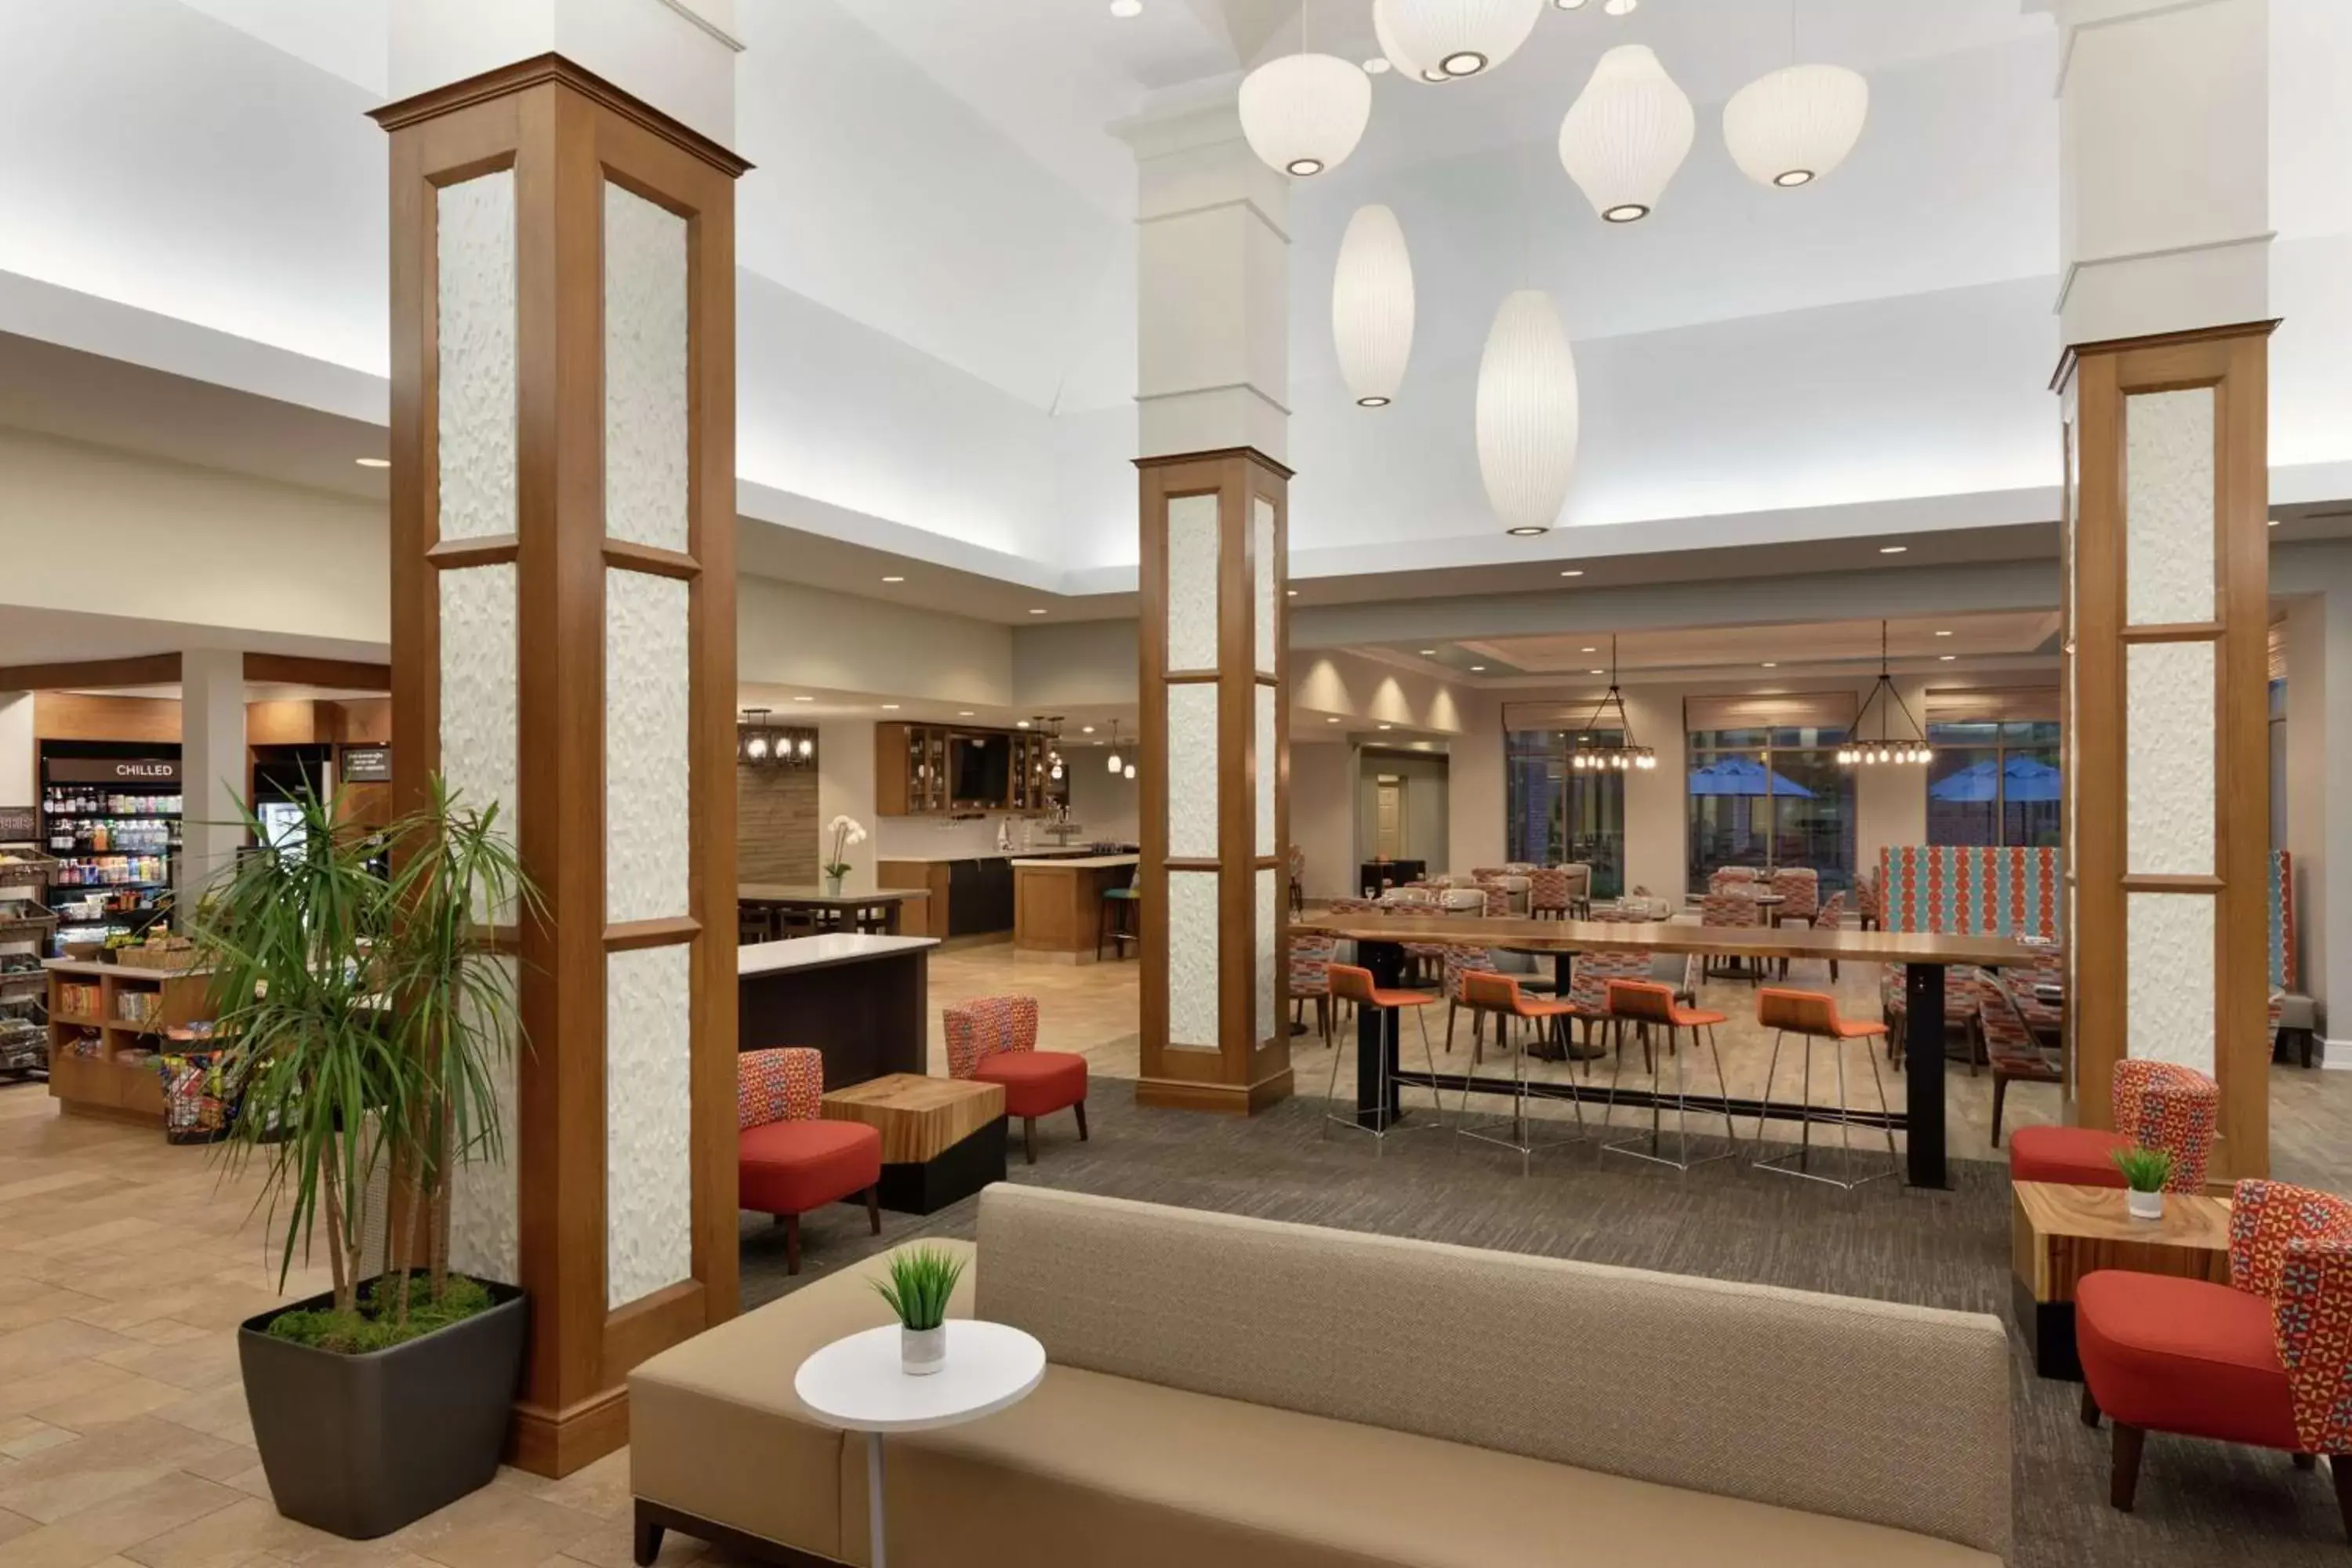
{"x": 2201, "y": 1504}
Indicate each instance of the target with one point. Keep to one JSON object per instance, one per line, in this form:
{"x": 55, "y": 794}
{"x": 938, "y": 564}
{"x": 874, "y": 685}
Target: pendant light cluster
{"x": 1866, "y": 751}
{"x": 761, "y": 744}
{"x": 1620, "y": 755}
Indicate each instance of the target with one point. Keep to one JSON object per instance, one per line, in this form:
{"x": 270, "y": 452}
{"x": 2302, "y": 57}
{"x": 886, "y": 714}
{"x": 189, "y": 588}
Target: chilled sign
{"x": 367, "y": 764}
{"x": 113, "y": 770}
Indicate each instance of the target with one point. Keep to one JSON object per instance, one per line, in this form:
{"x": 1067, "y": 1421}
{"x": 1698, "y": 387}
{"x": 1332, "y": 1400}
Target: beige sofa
{"x": 1234, "y": 1393}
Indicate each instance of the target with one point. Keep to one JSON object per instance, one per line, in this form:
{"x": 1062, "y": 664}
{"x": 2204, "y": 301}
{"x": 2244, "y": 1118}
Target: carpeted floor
{"x": 2201, "y": 1504}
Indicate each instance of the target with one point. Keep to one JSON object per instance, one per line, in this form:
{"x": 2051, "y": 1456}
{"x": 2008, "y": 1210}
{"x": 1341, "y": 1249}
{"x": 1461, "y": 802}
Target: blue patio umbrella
{"x": 1743, "y": 776}
{"x": 2028, "y": 779}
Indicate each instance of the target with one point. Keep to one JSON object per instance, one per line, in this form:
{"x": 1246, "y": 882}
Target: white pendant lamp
{"x": 1394, "y": 51}
{"x": 1459, "y": 38}
{"x": 1304, "y": 113}
{"x": 1371, "y": 306}
{"x": 1627, "y": 134}
{"x": 1795, "y": 125}
{"x": 1527, "y": 413}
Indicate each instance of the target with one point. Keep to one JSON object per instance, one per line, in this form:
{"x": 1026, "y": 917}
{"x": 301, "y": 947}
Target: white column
{"x": 2319, "y": 818}
{"x": 213, "y": 773}
{"x": 19, "y": 760}
{"x": 2164, "y": 175}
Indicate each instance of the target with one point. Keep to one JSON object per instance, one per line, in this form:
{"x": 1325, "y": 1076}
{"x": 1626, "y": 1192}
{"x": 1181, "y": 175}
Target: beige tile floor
{"x": 125, "y": 1265}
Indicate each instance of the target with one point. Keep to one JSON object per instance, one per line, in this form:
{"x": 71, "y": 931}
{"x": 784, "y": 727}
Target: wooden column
{"x": 563, "y": 644}
{"x": 1214, "y": 798}
{"x": 2167, "y": 558}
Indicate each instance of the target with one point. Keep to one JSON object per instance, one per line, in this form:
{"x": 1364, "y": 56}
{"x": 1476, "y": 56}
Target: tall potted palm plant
{"x": 367, "y": 1023}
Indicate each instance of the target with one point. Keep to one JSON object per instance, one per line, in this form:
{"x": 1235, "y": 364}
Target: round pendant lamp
{"x": 1404, "y": 63}
{"x": 1371, "y": 306}
{"x": 1459, "y": 38}
{"x": 1527, "y": 413}
{"x": 1791, "y": 127}
{"x": 1304, "y": 113}
{"x": 1627, "y": 134}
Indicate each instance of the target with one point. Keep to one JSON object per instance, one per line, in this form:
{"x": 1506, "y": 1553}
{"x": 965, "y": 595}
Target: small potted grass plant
{"x": 2144, "y": 1173}
{"x": 921, "y": 1280}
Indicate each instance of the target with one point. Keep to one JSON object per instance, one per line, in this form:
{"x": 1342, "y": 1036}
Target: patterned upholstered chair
{"x": 788, "y": 1158}
{"x": 1800, "y": 888}
{"x": 1869, "y": 904}
{"x": 1310, "y": 978}
{"x": 1588, "y": 982}
{"x": 2157, "y": 1105}
{"x": 1460, "y": 958}
{"x": 993, "y": 1039}
{"x": 1732, "y": 908}
{"x": 1547, "y": 892}
{"x": 2015, "y": 1053}
{"x": 2264, "y": 1360}
{"x": 1964, "y": 986}
{"x": 1726, "y": 877}
{"x": 1498, "y": 898}
{"x": 1830, "y": 916}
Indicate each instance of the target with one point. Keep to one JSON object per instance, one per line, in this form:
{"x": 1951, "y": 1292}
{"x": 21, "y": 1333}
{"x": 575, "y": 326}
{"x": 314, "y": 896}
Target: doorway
{"x": 1389, "y": 835}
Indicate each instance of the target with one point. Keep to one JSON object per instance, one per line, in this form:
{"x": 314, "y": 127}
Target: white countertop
{"x": 1042, "y": 852}
{"x": 1080, "y": 862}
{"x": 817, "y": 952}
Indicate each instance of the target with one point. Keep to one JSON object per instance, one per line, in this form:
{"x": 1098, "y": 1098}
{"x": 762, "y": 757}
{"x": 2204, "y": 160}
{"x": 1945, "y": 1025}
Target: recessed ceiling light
{"x": 1036, "y": 611}
{"x": 1572, "y": 571}
{"x": 1021, "y": 724}
{"x": 1478, "y": 670}
{"x": 372, "y": 462}
{"x": 803, "y": 699}
{"x": 1330, "y": 721}
{"x": 2274, "y": 523}
{"x": 1290, "y": 592}
{"x": 889, "y": 708}
{"x": 1769, "y": 664}
{"x": 1596, "y": 672}
{"x": 1526, "y": 531}
{"x": 1429, "y": 653}
{"x": 1588, "y": 650}
{"x": 1943, "y": 634}
{"x": 1388, "y": 726}
{"x": 1948, "y": 657}
{"x": 1892, "y": 549}
{"x": 1126, "y": 7}
{"x": 1086, "y": 728}
{"x": 894, "y": 579}
{"x": 1377, "y": 65}
{"x": 963, "y": 712}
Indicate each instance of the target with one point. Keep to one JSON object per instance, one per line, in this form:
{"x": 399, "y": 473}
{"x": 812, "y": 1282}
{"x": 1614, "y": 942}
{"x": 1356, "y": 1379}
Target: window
{"x": 1995, "y": 782}
{"x": 1559, "y": 815}
{"x": 1770, "y": 797}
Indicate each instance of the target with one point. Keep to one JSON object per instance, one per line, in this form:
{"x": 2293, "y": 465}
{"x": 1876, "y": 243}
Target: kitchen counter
{"x": 1058, "y": 905}
{"x": 820, "y": 951}
{"x": 1047, "y": 853}
{"x": 860, "y": 1000}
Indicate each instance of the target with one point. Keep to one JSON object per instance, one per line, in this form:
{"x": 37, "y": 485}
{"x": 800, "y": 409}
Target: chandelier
{"x": 1622, "y": 755}
{"x": 761, "y": 744}
{"x": 1865, "y": 751}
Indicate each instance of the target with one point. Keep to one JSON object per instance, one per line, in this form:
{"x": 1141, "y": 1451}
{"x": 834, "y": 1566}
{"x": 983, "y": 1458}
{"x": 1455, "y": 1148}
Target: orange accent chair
{"x": 1812, "y": 1016}
{"x": 2263, "y": 1359}
{"x": 993, "y": 1039}
{"x": 1649, "y": 1004}
{"x": 2158, "y": 1105}
{"x": 788, "y": 1158}
{"x": 1352, "y": 983}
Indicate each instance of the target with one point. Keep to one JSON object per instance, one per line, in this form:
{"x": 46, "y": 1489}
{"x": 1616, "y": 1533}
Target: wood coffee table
{"x": 2059, "y": 1233}
{"x": 942, "y": 1138}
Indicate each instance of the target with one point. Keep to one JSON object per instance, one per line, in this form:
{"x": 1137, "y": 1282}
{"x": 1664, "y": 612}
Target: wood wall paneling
{"x": 776, "y": 824}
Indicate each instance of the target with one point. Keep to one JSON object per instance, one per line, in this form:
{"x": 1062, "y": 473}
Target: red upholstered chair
{"x": 788, "y": 1158}
{"x": 2263, "y": 1359}
{"x": 993, "y": 1039}
{"x": 2158, "y": 1105}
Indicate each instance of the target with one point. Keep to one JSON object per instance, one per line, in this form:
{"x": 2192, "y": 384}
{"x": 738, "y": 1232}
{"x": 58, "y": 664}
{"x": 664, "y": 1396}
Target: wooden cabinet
{"x": 929, "y": 770}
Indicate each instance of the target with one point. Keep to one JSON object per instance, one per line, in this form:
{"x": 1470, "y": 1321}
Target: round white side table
{"x": 856, "y": 1383}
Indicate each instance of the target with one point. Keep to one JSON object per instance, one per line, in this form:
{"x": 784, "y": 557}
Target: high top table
{"x": 1380, "y": 941}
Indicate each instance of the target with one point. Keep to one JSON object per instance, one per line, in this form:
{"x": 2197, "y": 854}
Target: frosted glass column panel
{"x": 480, "y": 740}
{"x": 1269, "y": 764}
{"x": 1267, "y": 1017}
{"x": 2169, "y": 557}
{"x": 1192, "y": 771}
{"x": 474, "y": 339}
{"x": 649, "y": 1121}
{"x": 2169, "y": 952}
{"x": 1192, "y": 583}
{"x": 646, "y": 450}
{"x": 647, "y": 689}
{"x": 1192, "y": 959}
{"x": 2169, "y": 728}
{"x": 1262, "y": 561}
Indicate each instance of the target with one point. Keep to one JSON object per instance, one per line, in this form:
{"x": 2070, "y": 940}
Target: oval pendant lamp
{"x": 1385, "y": 35}
{"x": 1791, "y": 127}
{"x": 1527, "y": 413}
{"x": 1460, "y": 37}
{"x": 1371, "y": 306}
{"x": 1627, "y": 134}
{"x": 1304, "y": 113}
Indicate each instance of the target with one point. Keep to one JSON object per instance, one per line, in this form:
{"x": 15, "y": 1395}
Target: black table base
{"x": 1921, "y": 1121}
{"x": 956, "y": 1172}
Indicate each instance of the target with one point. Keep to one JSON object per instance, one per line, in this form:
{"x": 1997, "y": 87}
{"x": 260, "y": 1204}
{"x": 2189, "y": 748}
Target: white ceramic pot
{"x": 2144, "y": 1205}
{"x": 922, "y": 1352}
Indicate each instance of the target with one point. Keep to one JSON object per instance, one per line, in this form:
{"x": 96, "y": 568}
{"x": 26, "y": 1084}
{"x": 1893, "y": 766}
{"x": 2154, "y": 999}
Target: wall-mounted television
{"x": 983, "y": 769}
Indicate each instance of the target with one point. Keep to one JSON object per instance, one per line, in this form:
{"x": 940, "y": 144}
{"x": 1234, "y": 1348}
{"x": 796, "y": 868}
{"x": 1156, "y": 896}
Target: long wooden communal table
{"x": 1380, "y": 940}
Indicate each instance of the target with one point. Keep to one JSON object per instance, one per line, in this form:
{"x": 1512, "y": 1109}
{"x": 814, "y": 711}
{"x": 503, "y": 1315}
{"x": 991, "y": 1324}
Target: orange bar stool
{"x": 1488, "y": 992}
{"x": 1647, "y": 1004}
{"x": 1353, "y": 983}
{"x": 1812, "y": 1016}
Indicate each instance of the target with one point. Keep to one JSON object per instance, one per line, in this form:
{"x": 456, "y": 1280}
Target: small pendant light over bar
{"x": 1867, "y": 750}
{"x": 1592, "y": 752}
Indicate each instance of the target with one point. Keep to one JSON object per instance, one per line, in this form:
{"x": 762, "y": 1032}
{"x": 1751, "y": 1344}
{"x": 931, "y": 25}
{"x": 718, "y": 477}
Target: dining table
{"x": 1380, "y": 942}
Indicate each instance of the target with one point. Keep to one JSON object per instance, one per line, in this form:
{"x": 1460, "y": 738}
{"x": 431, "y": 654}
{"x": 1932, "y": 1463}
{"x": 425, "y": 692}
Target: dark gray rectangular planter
{"x": 360, "y": 1445}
